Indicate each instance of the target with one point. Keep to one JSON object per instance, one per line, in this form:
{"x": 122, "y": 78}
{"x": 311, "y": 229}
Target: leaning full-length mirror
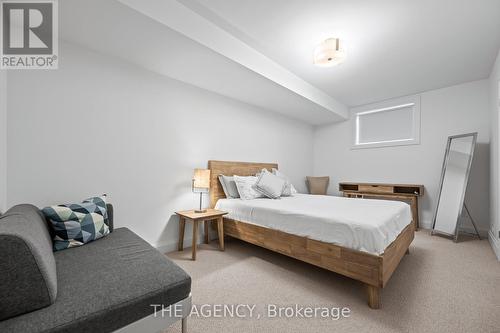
{"x": 454, "y": 178}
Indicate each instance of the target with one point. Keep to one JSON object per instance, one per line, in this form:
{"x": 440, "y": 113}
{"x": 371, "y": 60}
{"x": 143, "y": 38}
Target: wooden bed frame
{"x": 372, "y": 270}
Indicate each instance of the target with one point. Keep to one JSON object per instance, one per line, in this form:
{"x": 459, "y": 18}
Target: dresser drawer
{"x": 375, "y": 189}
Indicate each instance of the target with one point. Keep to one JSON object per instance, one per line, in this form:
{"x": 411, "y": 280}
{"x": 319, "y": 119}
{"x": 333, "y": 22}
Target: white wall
{"x": 494, "y": 151}
{"x": 100, "y": 125}
{"x": 453, "y": 110}
{"x": 3, "y": 141}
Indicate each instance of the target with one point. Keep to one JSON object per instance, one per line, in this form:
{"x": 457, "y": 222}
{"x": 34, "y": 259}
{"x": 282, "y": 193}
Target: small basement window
{"x": 394, "y": 122}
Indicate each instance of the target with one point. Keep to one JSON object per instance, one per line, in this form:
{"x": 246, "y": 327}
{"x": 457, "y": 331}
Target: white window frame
{"x": 388, "y": 105}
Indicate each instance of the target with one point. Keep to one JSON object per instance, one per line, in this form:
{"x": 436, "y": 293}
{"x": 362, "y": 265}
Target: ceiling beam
{"x": 185, "y": 21}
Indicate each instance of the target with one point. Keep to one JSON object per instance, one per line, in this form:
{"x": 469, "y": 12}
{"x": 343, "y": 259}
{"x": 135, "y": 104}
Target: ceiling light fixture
{"x": 329, "y": 53}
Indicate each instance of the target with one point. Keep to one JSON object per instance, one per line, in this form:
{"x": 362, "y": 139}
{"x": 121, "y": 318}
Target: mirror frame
{"x": 443, "y": 173}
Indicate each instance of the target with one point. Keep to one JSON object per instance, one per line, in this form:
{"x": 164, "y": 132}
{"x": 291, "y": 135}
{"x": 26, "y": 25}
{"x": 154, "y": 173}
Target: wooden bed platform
{"x": 372, "y": 270}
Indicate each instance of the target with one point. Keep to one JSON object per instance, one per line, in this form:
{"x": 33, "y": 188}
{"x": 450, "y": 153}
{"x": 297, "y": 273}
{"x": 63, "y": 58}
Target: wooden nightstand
{"x": 208, "y": 216}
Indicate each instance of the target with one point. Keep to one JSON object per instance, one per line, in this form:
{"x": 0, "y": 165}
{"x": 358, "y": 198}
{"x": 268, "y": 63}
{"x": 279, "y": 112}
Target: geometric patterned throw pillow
{"x": 101, "y": 204}
{"x": 77, "y": 224}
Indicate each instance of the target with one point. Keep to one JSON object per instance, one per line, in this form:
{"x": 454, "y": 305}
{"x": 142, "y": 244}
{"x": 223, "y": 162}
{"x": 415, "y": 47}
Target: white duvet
{"x": 361, "y": 224}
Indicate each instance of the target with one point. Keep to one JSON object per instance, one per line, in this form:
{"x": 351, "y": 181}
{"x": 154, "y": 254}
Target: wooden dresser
{"x": 402, "y": 192}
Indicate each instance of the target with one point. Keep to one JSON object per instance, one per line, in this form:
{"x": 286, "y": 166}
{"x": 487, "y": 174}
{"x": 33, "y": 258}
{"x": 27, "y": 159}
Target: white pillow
{"x": 245, "y": 187}
{"x": 289, "y": 189}
{"x": 270, "y": 185}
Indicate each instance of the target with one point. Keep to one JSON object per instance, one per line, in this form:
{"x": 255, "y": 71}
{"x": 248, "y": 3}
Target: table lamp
{"x": 201, "y": 184}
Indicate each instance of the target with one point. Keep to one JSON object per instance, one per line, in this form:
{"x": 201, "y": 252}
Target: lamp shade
{"x": 201, "y": 180}
{"x": 329, "y": 53}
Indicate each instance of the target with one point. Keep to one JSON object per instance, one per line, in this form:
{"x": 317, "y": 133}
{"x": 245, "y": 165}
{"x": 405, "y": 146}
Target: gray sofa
{"x": 106, "y": 285}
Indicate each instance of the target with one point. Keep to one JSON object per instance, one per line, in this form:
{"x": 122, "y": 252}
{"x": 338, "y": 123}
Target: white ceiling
{"x": 132, "y": 30}
{"x": 260, "y": 51}
{"x": 395, "y": 47}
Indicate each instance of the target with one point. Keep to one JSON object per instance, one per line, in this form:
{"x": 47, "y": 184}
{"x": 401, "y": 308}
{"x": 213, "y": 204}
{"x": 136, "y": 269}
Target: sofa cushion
{"x": 105, "y": 285}
{"x": 109, "y": 222}
{"x": 77, "y": 224}
{"x": 28, "y": 269}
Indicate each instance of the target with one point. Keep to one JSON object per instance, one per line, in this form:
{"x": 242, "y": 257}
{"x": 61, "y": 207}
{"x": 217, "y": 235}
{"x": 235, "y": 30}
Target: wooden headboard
{"x": 230, "y": 169}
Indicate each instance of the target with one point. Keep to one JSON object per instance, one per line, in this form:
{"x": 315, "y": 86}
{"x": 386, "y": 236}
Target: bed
{"x": 361, "y": 239}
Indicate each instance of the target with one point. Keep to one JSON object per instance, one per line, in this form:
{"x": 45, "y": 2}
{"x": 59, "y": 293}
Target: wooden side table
{"x": 196, "y": 218}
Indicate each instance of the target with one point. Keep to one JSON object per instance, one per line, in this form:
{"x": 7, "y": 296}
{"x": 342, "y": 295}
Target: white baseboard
{"x": 495, "y": 243}
{"x": 169, "y": 247}
{"x": 425, "y": 224}
{"x": 172, "y": 246}
{"x": 470, "y": 230}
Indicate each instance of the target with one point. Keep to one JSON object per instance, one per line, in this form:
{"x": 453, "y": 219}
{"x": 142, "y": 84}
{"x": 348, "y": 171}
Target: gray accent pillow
{"x": 28, "y": 279}
{"x": 229, "y": 187}
{"x": 270, "y": 185}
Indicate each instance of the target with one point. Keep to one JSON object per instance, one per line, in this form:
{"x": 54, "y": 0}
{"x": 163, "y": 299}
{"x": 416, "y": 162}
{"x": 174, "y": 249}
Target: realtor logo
{"x": 29, "y": 34}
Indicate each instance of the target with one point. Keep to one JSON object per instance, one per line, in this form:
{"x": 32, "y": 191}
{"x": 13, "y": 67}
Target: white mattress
{"x": 361, "y": 224}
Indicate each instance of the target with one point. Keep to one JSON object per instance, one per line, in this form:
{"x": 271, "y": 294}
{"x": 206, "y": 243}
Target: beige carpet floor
{"x": 440, "y": 287}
